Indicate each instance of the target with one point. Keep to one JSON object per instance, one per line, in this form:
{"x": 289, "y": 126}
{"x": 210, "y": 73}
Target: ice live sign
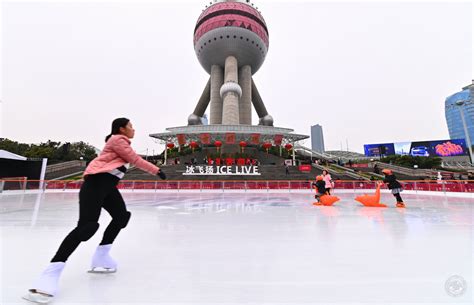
{"x": 197, "y": 170}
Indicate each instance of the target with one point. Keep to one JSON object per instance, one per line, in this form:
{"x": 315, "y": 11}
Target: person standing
{"x": 98, "y": 191}
{"x": 328, "y": 181}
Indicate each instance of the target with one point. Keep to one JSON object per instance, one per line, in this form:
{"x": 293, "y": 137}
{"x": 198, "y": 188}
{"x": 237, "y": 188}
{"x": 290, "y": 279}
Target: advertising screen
{"x": 420, "y": 149}
{"x": 375, "y": 150}
{"x": 438, "y": 148}
{"x": 402, "y": 148}
{"x": 449, "y": 148}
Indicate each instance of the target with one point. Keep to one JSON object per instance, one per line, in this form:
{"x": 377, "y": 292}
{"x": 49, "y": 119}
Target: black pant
{"x": 328, "y": 191}
{"x": 399, "y": 198}
{"x": 97, "y": 192}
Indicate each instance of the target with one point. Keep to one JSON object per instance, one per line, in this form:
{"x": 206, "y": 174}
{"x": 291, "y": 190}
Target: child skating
{"x": 392, "y": 183}
{"x": 320, "y": 187}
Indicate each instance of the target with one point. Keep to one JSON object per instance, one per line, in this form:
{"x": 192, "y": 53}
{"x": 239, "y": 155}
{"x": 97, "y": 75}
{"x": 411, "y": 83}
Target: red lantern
{"x": 267, "y": 145}
{"x": 170, "y": 145}
{"x": 193, "y": 145}
{"x": 218, "y": 144}
{"x": 242, "y": 145}
{"x": 288, "y": 146}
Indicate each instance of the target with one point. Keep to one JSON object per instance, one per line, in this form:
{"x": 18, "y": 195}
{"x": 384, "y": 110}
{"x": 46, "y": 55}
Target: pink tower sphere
{"x": 231, "y": 28}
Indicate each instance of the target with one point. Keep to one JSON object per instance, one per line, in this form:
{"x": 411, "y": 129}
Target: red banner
{"x": 255, "y": 138}
{"x": 205, "y": 138}
{"x": 277, "y": 139}
{"x": 230, "y": 138}
{"x": 304, "y": 168}
{"x": 181, "y": 139}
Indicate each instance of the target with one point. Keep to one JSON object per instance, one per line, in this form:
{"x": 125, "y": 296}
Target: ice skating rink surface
{"x": 248, "y": 248}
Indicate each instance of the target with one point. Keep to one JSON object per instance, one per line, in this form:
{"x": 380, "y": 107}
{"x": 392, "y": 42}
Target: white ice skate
{"x": 46, "y": 286}
{"x": 38, "y": 297}
{"x": 102, "y": 262}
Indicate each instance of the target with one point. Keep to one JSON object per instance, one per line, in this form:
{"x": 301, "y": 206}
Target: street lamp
{"x": 461, "y": 103}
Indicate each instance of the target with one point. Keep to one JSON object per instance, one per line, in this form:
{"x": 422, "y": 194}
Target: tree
{"x": 54, "y": 151}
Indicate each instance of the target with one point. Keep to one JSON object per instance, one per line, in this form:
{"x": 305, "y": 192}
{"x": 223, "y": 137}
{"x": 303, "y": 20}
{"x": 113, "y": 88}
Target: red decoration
{"x": 255, "y": 138}
{"x": 230, "y": 138}
{"x": 193, "y": 145}
{"x": 242, "y": 144}
{"x": 277, "y": 139}
{"x": 205, "y": 138}
{"x": 181, "y": 139}
{"x": 288, "y": 146}
{"x": 218, "y": 144}
{"x": 170, "y": 145}
{"x": 267, "y": 145}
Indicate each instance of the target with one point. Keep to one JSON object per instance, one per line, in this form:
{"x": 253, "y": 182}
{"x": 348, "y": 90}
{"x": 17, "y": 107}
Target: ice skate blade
{"x": 37, "y": 298}
{"x": 101, "y": 270}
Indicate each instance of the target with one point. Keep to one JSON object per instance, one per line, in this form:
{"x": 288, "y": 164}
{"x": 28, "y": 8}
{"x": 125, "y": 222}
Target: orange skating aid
{"x": 327, "y": 200}
{"x": 371, "y": 200}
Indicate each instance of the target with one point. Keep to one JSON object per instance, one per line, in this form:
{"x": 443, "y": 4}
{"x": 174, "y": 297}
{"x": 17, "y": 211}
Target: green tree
{"x": 54, "y": 151}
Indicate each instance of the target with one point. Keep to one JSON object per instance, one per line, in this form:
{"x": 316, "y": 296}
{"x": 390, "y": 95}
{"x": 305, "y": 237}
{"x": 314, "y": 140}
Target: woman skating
{"x": 98, "y": 191}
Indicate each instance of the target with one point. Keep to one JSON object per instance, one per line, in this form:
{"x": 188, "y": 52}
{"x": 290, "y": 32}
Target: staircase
{"x": 65, "y": 169}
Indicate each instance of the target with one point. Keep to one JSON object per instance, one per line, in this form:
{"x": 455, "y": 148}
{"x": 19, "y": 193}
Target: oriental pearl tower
{"x": 231, "y": 42}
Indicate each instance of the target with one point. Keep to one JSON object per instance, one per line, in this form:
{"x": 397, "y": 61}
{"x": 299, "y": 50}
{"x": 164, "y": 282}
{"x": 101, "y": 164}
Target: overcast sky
{"x": 368, "y": 72}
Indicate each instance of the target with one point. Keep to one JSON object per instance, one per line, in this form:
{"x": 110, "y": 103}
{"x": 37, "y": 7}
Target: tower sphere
{"x": 231, "y": 28}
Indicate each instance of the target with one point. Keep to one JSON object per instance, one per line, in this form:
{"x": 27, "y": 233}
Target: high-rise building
{"x": 461, "y": 101}
{"x": 204, "y": 120}
{"x": 317, "y": 138}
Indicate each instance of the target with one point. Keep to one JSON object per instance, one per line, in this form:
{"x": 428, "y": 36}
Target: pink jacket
{"x": 117, "y": 152}
{"x": 327, "y": 181}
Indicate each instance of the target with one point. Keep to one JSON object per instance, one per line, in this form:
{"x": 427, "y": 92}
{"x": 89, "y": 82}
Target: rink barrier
{"x": 459, "y": 186}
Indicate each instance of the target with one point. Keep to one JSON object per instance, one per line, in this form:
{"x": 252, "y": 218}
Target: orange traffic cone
{"x": 371, "y": 200}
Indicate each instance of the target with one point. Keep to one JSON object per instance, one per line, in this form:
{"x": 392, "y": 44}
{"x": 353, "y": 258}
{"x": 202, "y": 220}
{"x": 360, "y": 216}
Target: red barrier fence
{"x": 463, "y": 186}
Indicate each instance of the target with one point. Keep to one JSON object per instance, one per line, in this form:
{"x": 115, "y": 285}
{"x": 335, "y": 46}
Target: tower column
{"x": 245, "y": 106}
{"x": 230, "y": 93}
{"x": 265, "y": 118}
{"x": 217, "y": 78}
{"x": 195, "y": 117}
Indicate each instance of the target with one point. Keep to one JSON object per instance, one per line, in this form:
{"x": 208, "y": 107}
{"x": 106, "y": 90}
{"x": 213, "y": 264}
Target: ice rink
{"x": 248, "y": 248}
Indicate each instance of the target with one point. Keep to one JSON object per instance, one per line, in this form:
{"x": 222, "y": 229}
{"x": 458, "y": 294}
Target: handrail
{"x": 463, "y": 186}
{"x": 64, "y": 165}
{"x": 407, "y": 171}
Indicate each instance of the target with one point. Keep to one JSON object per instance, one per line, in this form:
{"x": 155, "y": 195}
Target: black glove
{"x": 161, "y": 174}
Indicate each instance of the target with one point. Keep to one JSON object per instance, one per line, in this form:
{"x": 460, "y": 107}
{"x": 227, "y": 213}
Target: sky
{"x": 367, "y": 71}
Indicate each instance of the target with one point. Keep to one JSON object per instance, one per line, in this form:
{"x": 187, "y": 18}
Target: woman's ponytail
{"x": 116, "y": 125}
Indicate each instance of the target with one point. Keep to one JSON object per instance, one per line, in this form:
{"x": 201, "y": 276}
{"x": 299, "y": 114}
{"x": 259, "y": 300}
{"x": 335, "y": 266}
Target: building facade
{"x": 317, "y": 138}
{"x": 454, "y": 104}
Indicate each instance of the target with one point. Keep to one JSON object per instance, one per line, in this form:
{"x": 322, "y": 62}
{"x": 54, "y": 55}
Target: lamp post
{"x": 461, "y": 103}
